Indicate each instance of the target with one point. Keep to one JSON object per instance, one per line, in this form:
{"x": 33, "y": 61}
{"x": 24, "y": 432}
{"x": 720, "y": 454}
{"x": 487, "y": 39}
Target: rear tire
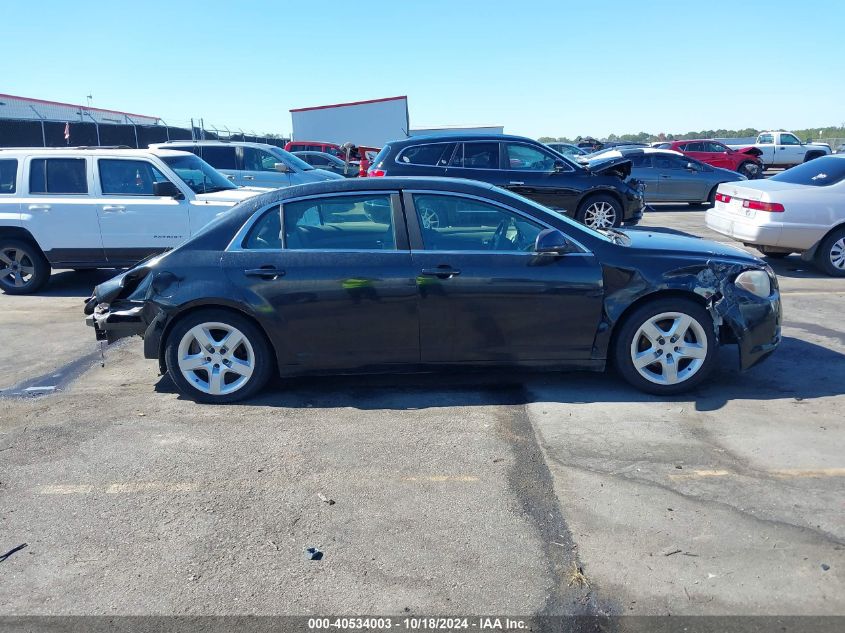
{"x": 830, "y": 256}
{"x": 600, "y": 212}
{"x": 217, "y": 356}
{"x": 647, "y": 354}
{"x": 23, "y": 268}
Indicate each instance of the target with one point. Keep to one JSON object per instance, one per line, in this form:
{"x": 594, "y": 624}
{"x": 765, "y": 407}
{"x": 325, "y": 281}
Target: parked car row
{"x": 600, "y": 195}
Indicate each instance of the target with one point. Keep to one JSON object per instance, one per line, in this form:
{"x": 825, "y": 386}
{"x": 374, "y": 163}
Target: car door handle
{"x": 39, "y": 207}
{"x": 230, "y": 176}
{"x": 441, "y": 272}
{"x": 664, "y": 176}
{"x": 516, "y": 182}
{"x": 114, "y": 208}
{"x": 265, "y": 272}
{"x": 249, "y": 177}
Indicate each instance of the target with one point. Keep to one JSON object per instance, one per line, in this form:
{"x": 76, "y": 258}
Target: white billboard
{"x": 369, "y": 123}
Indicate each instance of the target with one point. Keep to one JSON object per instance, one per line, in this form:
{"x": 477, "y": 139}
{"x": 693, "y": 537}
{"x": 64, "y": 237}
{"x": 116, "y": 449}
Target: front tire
{"x": 600, "y": 212}
{"x": 217, "y": 356}
{"x": 666, "y": 346}
{"x": 23, "y": 269}
{"x": 750, "y": 170}
{"x": 830, "y": 256}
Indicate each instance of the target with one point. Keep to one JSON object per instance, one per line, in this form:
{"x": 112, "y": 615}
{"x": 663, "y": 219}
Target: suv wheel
{"x": 23, "y": 269}
{"x": 217, "y": 356}
{"x": 600, "y": 212}
{"x": 750, "y": 170}
{"x": 666, "y": 346}
{"x": 830, "y": 256}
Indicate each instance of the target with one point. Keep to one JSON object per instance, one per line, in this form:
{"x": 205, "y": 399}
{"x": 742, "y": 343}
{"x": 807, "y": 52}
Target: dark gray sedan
{"x": 322, "y": 160}
{"x": 670, "y": 176}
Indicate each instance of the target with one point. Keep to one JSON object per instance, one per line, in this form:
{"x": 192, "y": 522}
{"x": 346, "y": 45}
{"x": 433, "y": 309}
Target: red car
{"x": 745, "y": 161}
{"x": 314, "y": 146}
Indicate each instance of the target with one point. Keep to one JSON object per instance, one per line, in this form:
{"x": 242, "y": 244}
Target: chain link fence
{"x": 47, "y": 133}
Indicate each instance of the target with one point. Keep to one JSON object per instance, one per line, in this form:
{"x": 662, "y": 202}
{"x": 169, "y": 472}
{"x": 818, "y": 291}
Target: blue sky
{"x": 536, "y": 67}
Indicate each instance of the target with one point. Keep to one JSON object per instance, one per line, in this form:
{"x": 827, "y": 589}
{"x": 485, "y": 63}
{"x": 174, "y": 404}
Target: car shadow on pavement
{"x": 76, "y": 283}
{"x": 798, "y": 370}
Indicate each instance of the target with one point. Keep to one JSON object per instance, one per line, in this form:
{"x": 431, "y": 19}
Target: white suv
{"x": 100, "y": 208}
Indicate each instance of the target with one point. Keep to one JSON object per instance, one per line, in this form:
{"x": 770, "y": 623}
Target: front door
{"x": 677, "y": 183}
{"x": 134, "y": 221}
{"x": 258, "y": 170}
{"x": 532, "y": 172}
{"x": 334, "y": 288}
{"x": 486, "y": 297}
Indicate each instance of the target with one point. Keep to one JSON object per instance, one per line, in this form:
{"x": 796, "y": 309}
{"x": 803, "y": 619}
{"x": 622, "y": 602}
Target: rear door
{"x": 485, "y": 297}
{"x": 530, "y": 172}
{"x": 477, "y": 160}
{"x": 134, "y": 221}
{"x": 61, "y": 211}
{"x": 332, "y": 281}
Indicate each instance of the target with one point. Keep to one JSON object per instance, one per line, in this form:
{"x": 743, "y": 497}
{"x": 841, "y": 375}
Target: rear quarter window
{"x": 431, "y": 154}
{"x": 8, "y": 175}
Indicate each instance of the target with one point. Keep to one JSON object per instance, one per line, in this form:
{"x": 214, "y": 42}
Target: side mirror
{"x": 691, "y": 167}
{"x": 281, "y": 167}
{"x": 167, "y": 189}
{"x": 552, "y": 242}
{"x": 560, "y": 165}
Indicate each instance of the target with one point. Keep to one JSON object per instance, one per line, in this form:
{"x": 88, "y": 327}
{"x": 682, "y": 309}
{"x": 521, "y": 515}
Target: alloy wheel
{"x": 669, "y": 348}
{"x": 216, "y": 358}
{"x": 600, "y": 215}
{"x": 16, "y": 267}
{"x": 837, "y": 254}
{"x": 429, "y": 218}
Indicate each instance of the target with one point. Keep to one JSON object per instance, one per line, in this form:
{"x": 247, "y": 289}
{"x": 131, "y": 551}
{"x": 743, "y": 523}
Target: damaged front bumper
{"x": 755, "y": 324}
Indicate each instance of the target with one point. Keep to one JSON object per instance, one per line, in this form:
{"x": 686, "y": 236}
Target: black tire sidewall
{"x": 39, "y": 263}
{"x": 617, "y": 208}
{"x": 823, "y": 254}
{"x": 624, "y": 336}
{"x": 264, "y": 359}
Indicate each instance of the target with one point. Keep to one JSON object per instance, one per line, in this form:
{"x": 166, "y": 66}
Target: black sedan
{"x": 598, "y": 196}
{"x": 346, "y": 276}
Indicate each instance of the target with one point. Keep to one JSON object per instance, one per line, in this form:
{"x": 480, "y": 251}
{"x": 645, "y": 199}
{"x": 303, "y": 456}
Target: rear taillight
{"x": 722, "y": 197}
{"x": 772, "y": 207}
{"x": 375, "y": 173}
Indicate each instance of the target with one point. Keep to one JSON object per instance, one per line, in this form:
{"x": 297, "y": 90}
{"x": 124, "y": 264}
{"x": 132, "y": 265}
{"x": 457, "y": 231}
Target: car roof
{"x": 92, "y": 151}
{"x": 212, "y": 144}
{"x": 637, "y": 150}
{"x": 453, "y": 138}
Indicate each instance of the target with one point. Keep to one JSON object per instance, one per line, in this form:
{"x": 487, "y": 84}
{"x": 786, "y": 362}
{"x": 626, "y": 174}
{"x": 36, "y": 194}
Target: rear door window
{"x": 219, "y": 157}
{"x": 362, "y": 222}
{"x": 476, "y": 155}
{"x": 58, "y": 175}
{"x": 8, "y": 176}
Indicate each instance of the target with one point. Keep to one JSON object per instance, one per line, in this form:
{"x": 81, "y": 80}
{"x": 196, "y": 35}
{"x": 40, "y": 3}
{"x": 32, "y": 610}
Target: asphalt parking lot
{"x": 479, "y": 493}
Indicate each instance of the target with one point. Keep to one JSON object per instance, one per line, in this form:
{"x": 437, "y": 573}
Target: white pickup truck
{"x": 783, "y": 149}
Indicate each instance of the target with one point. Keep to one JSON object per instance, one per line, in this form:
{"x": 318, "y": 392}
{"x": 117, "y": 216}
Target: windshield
{"x": 198, "y": 174}
{"x": 819, "y": 172}
{"x": 290, "y": 159}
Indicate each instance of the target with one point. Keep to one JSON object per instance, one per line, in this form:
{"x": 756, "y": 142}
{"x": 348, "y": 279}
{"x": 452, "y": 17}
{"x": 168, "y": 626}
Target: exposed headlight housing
{"x": 757, "y": 282}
